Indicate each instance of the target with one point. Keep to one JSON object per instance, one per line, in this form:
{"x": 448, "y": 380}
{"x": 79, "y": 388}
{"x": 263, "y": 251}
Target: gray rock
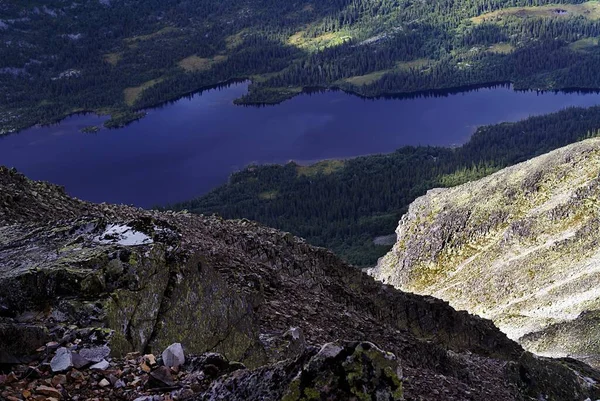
{"x": 173, "y": 356}
{"x": 102, "y": 365}
{"x": 95, "y": 354}
{"x": 62, "y": 361}
{"x": 79, "y": 361}
{"x": 161, "y": 377}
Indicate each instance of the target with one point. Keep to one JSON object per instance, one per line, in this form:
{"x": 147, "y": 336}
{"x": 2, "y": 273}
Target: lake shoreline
{"x": 184, "y": 149}
{"x": 437, "y": 92}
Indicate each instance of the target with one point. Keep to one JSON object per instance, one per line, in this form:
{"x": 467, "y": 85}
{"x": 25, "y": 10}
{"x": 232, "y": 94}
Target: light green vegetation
{"x": 419, "y": 64}
{"x": 589, "y": 10}
{"x": 502, "y": 48}
{"x": 585, "y": 44}
{"x": 331, "y": 39}
{"x": 113, "y": 58}
{"x": 195, "y": 63}
{"x": 133, "y": 94}
{"x": 132, "y": 42}
{"x": 325, "y": 167}
{"x": 268, "y": 195}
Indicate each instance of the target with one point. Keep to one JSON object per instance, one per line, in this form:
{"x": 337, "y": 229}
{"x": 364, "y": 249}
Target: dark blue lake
{"x": 184, "y": 149}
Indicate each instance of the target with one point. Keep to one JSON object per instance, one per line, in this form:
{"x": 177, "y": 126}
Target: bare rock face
{"x": 86, "y": 277}
{"x": 520, "y": 247}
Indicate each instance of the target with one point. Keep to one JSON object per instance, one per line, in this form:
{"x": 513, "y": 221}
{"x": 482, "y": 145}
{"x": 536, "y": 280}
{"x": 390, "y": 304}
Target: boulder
{"x": 95, "y": 354}
{"x": 173, "y": 356}
{"x": 62, "y": 360}
{"x": 338, "y": 371}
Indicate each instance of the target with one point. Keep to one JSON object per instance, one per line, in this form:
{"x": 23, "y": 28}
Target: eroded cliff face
{"x": 135, "y": 280}
{"x": 520, "y": 247}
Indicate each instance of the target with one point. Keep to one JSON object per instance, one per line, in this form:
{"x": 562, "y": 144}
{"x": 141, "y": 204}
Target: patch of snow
{"x": 104, "y": 2}
{"x": 385, "y": 239}
{"x": 72, "y": 73}
{"x": 50, "y": 12}
{"x": 13, "y": 71}
{"x": 374, "y": 39}
{"x": 329, "y": 350}
{"x": 589, "y": 382}
{"x": 3, "y": 25}
{"x": 74, "y": 36}
{"x": 123, "y": 235}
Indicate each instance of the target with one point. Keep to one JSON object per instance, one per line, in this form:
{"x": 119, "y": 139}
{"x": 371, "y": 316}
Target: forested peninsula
{"x": 345, "y": 204}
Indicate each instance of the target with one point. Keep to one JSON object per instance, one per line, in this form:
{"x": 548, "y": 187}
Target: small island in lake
{"x": 90, "y": 129}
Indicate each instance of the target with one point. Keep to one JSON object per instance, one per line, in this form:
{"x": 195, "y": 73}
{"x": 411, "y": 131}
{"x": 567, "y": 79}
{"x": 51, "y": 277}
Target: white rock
{"x": 102, "y": 365}
{"x": 63, "y": 360}
{"x": 123, "y": 235}
{"x": 329, "y": 350}
{"x": 173, "y": 356}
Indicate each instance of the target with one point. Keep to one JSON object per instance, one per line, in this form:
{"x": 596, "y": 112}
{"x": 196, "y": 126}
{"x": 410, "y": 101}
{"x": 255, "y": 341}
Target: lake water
{"x": 183, "y": 149}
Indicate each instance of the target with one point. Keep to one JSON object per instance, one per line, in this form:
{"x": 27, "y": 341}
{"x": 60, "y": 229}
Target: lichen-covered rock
{"x": 149, "y": 295}
{"x": 339, "y": 371}
{"x": 520, "y": 247}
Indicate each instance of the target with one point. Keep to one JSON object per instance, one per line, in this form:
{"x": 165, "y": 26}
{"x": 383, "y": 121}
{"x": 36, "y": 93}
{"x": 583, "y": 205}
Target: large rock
{"x": 62, "y": 360}
{"x": 147, "y": 295}
{"x": 339, "y": 371}
{"x": 520, "y": 247}
{"x": 173, "y": 356}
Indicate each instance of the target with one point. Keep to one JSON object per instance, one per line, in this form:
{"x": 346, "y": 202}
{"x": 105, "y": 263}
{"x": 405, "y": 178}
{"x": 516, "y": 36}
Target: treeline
{"x": 347, "y": 208}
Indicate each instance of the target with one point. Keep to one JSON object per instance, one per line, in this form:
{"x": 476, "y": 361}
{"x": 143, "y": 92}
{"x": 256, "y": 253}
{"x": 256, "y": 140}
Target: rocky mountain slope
{"x": 83, "y": 283}
{"x": 520, "y": 247}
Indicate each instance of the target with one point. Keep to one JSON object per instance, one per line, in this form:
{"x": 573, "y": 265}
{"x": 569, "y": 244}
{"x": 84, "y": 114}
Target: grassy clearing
{"x": 195, "y": 63}
{"x": 418, "y": 64}
{"x": 113, "y": 58}
{"x": 324, "y": 167}
{"x": 589, "y": 10}
{"x": 327, "y": 40}
{"x": 263, "y": 77}
{"x": 268, "y": 195}
{"x": 132, "y": 94}
{"x": 133, "y": 41}
{"x": 233, "y": 41}
{"x": 584, "y": 44}
{"x": 367, "y": 79}
{"x": 376, "y": 76}
{"x": 501, "y": 48}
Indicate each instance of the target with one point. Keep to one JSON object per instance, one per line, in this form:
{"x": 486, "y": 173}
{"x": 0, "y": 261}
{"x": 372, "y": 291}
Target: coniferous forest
{"x": 118, "y": 56}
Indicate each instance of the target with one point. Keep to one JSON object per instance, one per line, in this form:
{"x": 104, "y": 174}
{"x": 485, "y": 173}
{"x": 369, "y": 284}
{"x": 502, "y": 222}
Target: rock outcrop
{"x": 84, "y": 277}
{"x": 520, "y": 247}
